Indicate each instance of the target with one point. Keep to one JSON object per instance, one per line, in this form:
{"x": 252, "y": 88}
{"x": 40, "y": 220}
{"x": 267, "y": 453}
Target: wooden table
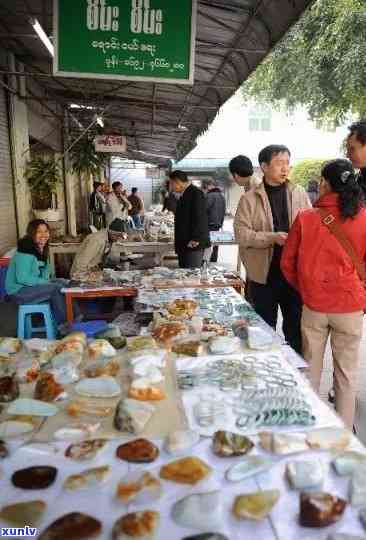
{"x": 107, "y": 292}
{"x": 61, "y": 247}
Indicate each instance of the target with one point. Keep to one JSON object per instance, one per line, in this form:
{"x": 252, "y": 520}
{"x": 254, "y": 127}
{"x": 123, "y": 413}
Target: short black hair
{"x": 179, "y": 175}
{"x": 134, "y": 190}
{"x": 96, "y": 185}
{"x": 269, "y": 152}
{"x": 242, "y": 166}
{"x": 358, "y": 129}
{"x": 116, "y": 184}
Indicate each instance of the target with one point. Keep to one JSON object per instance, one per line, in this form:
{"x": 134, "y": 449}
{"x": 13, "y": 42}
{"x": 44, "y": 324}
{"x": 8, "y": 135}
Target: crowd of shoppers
{"x": 303, "y": 251}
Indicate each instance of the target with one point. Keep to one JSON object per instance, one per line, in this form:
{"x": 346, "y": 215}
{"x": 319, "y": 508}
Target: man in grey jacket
{"x": 97, "y": 248}
{"x": 216, "y": 208}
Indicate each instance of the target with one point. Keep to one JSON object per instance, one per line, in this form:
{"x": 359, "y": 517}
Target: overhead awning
{"x": 161, "y": 121}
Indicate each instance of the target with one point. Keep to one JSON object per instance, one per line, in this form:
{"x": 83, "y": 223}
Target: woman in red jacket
{"x": 315, "y": 263}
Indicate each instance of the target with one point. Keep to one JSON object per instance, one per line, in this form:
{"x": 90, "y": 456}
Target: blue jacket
{"x": 27, "y": 268}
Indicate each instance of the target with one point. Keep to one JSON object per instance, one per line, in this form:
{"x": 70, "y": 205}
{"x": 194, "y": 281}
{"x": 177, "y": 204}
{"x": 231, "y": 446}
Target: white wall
{"x": 229, "y": 135}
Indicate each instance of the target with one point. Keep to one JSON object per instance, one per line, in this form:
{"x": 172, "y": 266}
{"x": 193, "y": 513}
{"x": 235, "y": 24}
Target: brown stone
{"x": 138, "y": 451}
{"x": 139, "y": 488}
{"x": 188, "y": 348}
{"x": 188, "y": 470}
{"x": 146, "y": 394}
{"x": 73, "y": 526}
{"x": 9, "y": 388}
{"x": 39, "y": 477}
{"x": 24, "y": 513}
{"x": 136, "y": 525}
{"x": 319, "y": 509}
{"x": 47, "y": 389}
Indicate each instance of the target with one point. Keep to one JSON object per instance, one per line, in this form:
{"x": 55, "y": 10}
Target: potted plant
{"x": 43, "y": 175}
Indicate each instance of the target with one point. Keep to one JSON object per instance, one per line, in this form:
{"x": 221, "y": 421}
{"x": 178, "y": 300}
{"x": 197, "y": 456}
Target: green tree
{"x": 85, "y": 161}
{"x": 319, "y": 64}
{"x": 306, "y": 170}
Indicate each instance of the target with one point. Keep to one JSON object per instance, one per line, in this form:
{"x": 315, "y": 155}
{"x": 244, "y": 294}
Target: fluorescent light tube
{"x": 43, "y": 36}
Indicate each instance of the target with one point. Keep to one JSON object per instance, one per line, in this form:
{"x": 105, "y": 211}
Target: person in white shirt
{"x": 117, "y": 205}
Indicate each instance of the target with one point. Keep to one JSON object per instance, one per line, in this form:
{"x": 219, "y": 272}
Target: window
{"x": 260, "y": 118}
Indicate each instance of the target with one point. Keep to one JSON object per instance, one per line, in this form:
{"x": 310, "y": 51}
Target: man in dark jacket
{"x": 313, "y": 191}
{"x": 216, "y": 208}
{"x": 191, "y": 221}
{"x": 356, "y": 150}
{"x": 97, "y": 206}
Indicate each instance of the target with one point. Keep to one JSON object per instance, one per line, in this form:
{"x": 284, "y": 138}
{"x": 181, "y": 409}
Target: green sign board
{"x": 142, "y": 40}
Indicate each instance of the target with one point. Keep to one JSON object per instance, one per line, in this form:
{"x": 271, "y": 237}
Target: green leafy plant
{"x": 85, "y": 161}
{"x": 43, "y": 175}
{"x": 319, "y": 64}
{"x": 306, "y": 170}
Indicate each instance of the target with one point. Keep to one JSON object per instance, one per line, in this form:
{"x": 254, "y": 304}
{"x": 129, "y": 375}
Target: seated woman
{"x": 315, "y": 262}
{"x": 28, "y": 275}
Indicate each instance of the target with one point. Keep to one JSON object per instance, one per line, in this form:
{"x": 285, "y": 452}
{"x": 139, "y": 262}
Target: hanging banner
{"x": 142, "y": 40}
{"x": 110, "y": 143}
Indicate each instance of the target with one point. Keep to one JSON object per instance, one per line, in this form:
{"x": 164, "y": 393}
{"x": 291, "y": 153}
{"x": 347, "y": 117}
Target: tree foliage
{"x": 305, "y": 171}
{"x": 86, "y": 161}
{"x": 319, "y": 64}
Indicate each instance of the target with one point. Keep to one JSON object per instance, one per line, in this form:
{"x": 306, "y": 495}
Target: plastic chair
{"x": 25, "y": 327}
{"x": 4, "y": 263}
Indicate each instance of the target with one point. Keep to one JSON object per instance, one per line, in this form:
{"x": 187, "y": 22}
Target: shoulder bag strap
{"x": 336, "y": 229}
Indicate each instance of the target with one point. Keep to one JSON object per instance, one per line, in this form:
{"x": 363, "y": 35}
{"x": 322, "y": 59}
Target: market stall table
{"x": 127, "y": 291}
{"x": 100, "y": 499}
{"x": 100, "y": 292}
{"x": 160, "y": 250}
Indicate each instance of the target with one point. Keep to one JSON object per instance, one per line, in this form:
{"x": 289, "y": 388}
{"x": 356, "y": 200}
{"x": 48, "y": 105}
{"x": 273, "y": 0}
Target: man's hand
{"x": 280, "y": 238}
{"x": 193, "y": 244}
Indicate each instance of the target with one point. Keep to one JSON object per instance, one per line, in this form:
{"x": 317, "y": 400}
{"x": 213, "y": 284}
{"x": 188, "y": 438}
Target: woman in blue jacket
{"x": 28, "y": 275}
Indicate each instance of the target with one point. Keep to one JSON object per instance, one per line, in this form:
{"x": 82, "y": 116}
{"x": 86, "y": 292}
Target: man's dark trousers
{"x": 278, "y": 293}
